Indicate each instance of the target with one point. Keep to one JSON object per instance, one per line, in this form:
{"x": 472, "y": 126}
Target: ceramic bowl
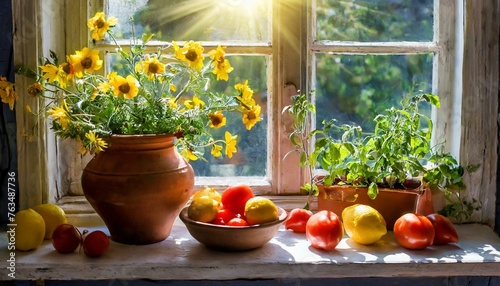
{"x": 232, "y": 238}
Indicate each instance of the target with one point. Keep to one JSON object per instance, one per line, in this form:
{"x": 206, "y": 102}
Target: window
{"x": 314, "y": 44}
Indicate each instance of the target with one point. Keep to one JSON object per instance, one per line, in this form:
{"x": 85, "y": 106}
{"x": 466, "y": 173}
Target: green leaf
{"x": 147, "y": 37}
{"x": 373, "y": 191}
{"x": 432, "y": 99}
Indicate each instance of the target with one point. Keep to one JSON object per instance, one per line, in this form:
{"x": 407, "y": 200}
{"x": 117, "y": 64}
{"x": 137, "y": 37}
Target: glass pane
{"x": 251, "y": 157}
{"x": 355, "y": 88}
{"x": 200, "y": 20}
{"x": 375, "y": 20}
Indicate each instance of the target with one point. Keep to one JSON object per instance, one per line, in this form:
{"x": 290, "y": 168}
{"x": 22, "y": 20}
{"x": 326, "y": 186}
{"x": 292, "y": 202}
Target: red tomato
{"x": 234, "y": 198}
{"x": 414, "y": 231}
{"x": 237, "y": 221}
{"x": 324, "y": 230}
{"x": 445, "y": 231}
{"x": 225, "y": 215}
{"x": 95, "y": 243}
{"x": 297, "y": 220}
{"x": 66, "y": 238}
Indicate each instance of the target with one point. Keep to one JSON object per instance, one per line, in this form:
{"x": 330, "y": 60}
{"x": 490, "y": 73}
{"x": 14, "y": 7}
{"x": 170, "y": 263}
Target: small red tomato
{"x": 218, "y": 221}
{"x": 324, "y": 230}
{"x": 234, "y": 198}
{"x": 225, "y": 215}
{"x": 237, "y": 221}
{"x": 414, "y": 231}
{"x": 95, "y": 243}
{"x": 444, "y": 229}
{"x": 66, "y": 238}
{"x": 297, "y": 220}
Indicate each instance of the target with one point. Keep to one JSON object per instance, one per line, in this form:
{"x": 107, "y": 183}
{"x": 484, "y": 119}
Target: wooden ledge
{"x": 288, "y": 255}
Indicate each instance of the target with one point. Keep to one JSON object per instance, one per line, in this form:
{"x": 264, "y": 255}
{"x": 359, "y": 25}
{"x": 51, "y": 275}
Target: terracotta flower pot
{"x": 390, "y": 203}
{"x": 138, "y": 186}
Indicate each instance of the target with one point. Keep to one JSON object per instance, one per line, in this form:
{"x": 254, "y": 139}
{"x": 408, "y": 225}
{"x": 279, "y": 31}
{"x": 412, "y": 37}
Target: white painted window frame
{"x": 471, "y": 88}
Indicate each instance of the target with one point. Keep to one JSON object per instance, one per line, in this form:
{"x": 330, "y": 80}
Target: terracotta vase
{"x": 138, "y": 186}
{"x": 390, "y": 203}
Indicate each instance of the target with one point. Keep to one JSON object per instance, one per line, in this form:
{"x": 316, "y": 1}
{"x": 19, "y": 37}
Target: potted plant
{"x": 136, "y": 119}
{"x": 390, "y": 167}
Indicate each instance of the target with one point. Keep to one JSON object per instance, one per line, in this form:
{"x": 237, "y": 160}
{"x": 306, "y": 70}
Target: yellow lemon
{"x": 211, "y": 192}
{"x": 30, "y": 230}
{"x": 260, "y": 210}
{"x": 53, "y": 216}
{"x": 363, "y": 224}
{"x": 203, "y": 209}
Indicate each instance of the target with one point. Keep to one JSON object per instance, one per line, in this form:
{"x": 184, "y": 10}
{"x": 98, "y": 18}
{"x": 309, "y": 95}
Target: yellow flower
{"x": 188, "y": 155}
{"x": 222, "y": 67}
{"x": 172, "y": 87}
{"x": 192, "y": 53}
{"x": 98, "y": 25}
{"x": 246, "y": 94}
{"x": 104, "y": 86}
{"x": 61, "y": 114}
{"x": 171, "y": 102}
{"x": 7, "y": 92}
{"x": 217, "y": 55}
{"x": 124, "y": 86}
{"x": 68, "y": 71}
{"x": 52, "y": 73}
{"x": 216, "y": 150}
{"x": 195, "y": 103}
{"x": 35, "y": 89}
{"x": 251, "y": 116}
{"x": 95, "y": 143}
{"x": 222, "y": 70}
{"x": 230, "y": 144}
{"x": 151, "y": 67}
{"x": 217, "y": 119}
{"x": 85, "y": 60}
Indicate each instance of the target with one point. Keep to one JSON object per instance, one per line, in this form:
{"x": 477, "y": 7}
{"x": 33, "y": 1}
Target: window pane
{"x": 355, "y": 88}
{"x": 251, "y": 157}
{"x": 201, "y": 20}
{"x": 375, "y": 20}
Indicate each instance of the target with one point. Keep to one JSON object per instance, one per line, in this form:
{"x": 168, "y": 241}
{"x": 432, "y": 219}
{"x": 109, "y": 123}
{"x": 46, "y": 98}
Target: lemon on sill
{"x": 260, "y": 210}
{"x": 53, "y": 215}
{"x": 363, "y": 224}
{"x": 30, "y": 230}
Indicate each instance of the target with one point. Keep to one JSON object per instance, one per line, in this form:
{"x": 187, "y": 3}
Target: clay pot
{"x": 138, "y": 186}
{"x": 391, "y": 203}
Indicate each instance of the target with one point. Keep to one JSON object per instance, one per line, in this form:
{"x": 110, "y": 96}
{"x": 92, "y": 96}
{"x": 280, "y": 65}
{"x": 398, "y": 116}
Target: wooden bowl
{"x": 232, "y": 238}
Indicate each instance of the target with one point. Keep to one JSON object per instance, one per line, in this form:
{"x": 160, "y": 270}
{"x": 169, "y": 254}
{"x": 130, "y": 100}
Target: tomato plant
{"x": 445, "y": 232}
{"x": 95, "y": 243}
{"x": 414, "y": 231}
{"x": 297, "y": 220}
{"x": 324, "y": 230}
{"x": 235, "y": 197}
{"x": 66, "y": 238}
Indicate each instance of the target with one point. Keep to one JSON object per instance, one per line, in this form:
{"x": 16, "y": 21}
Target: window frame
{"x": 43, "y": 176}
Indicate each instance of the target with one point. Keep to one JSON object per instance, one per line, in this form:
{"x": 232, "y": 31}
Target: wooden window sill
{"x": 288, "y": 255}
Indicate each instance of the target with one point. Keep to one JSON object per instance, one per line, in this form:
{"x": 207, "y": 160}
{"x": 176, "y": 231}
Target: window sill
{"x": 288, "y": 255}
